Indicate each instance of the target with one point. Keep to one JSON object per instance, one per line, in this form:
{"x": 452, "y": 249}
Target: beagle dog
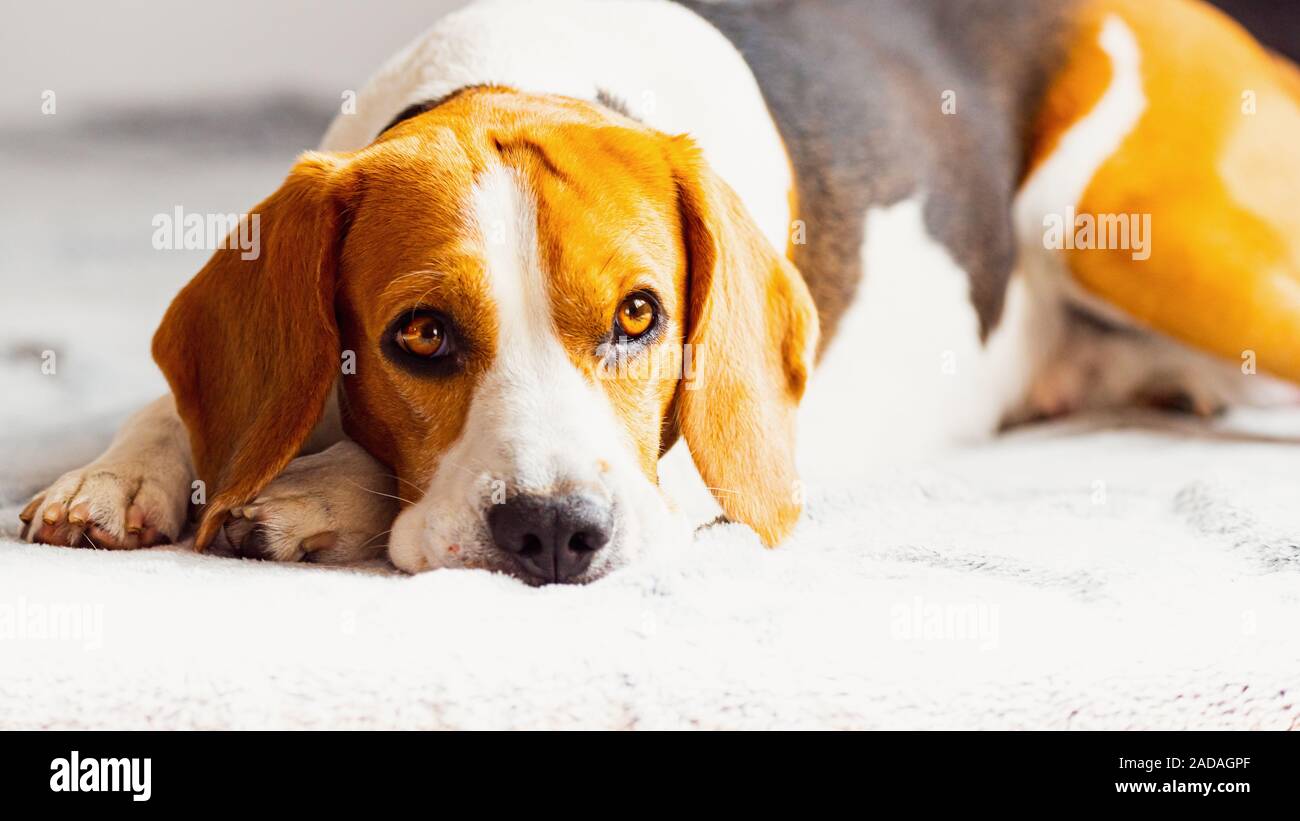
{"x": 556, "y": 237}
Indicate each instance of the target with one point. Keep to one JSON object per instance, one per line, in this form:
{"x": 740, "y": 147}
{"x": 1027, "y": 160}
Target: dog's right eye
{"x": 425, "y": 336}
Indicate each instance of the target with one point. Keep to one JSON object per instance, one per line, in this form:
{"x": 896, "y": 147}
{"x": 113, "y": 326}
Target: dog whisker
{"x": 377, "y": 492}
{"x": 724, "y": 490}
{"x": 407, "y": 481}
{"x": 372, "y": 539}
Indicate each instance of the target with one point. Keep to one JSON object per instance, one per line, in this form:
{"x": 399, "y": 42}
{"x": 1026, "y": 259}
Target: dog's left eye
{"x": 636, "y": 316}
{"x": 424, "y": 336}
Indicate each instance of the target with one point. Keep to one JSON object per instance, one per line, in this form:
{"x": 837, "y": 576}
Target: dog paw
{"x": 333, "y": 507}
{"x": 1191, "y": 398}
{"x": 111, "y": 504}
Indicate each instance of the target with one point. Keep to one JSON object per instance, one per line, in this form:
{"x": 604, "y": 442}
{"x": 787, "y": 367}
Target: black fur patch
{"x": 857, "y": 87}
{"x": 613, "y": 103}
{"x": 603, "y": 97}
{"x": 416, "y": 109}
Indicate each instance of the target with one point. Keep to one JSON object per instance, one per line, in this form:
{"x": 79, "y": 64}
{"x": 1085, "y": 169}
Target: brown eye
{"x": 636, "y": 316}
{"x": 424, "y": 336}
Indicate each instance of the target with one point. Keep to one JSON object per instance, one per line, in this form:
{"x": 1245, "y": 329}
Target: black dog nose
{"x": 553, "y": 537}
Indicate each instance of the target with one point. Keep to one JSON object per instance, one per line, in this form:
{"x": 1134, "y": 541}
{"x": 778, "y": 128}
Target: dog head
{"x": 524, "y": 300}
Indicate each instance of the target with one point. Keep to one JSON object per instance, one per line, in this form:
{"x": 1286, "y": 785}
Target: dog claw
{"x": 53, "y": 514}
{"x": 134, "y": 519}
{"x": 79, "y": 514}
{"x": 28, "y": 513}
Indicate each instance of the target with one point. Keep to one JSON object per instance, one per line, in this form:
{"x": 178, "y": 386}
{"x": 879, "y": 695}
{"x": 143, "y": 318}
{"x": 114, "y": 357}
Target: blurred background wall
{"x": 122, "y": 52}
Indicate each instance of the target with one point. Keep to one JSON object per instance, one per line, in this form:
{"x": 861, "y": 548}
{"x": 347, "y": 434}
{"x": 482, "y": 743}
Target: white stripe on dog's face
{"x": 540, "y": 415}
{"x": 535, "y": 426}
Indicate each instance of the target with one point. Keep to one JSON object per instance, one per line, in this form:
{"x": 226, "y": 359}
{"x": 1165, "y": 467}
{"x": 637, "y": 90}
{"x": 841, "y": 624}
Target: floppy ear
{"x": 250, "y": 347}
{"x": 752, "y": 330}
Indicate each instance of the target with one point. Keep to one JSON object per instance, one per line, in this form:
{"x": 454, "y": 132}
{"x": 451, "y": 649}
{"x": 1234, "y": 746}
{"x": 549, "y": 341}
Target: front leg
{"x": 333, "y": 507}
{"x": 135, "y": 495}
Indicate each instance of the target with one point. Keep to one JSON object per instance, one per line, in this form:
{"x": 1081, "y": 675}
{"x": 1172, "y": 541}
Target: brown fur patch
{"x": 1220, "y": 181}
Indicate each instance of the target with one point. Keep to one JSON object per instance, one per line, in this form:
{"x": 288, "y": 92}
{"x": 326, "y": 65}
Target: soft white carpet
{"x": 1071, "y": 577}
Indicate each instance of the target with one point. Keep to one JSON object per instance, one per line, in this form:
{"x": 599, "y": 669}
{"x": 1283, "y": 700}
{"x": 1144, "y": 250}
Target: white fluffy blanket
{"x": 1089, "y": 575}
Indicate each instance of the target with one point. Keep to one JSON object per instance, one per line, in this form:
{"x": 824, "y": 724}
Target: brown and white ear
{"x": 752, "y": 330}
{"x": 250, "y": 347}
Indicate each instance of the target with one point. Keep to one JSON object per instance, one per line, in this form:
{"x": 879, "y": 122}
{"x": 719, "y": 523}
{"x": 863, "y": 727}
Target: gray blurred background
{"x": 160, "y": 104}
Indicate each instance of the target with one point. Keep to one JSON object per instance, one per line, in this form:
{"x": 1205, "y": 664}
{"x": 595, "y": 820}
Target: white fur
{"x": 672, "y": 69}
{"x": 907, "y": 373}
{"x": 535, "y": 424}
